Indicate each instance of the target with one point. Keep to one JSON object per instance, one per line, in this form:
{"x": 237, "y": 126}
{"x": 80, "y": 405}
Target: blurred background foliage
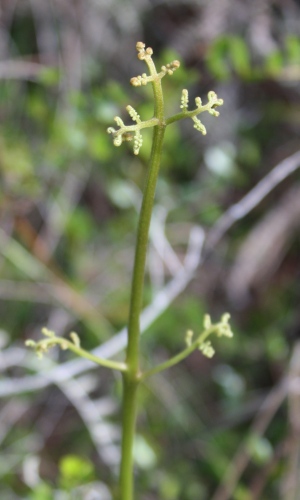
{"x": 68, "y": 206}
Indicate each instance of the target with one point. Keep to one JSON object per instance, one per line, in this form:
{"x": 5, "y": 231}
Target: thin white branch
{"x": 103, "y": 434}
{"x": 239, "y": 210}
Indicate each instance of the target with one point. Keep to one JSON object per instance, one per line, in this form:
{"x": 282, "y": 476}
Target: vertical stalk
{"x": 128, "y": 431}
{"x": 136, "y": 299}
{"x": 132, "y": 375}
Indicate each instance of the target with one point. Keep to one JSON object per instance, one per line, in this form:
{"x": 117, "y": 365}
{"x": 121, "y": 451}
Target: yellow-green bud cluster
{"x": 137, "y": 142}
{"x": 44, "y": 345}
{"x": 198, "y": 125}
{"x": 169, "y": 69}
{"x": 207, "y": 349}
{"x": 139, "y": 80}
{"x": 189, "y": 337}
{"x": 213, "y": 101}
{"x": 142, "y": 51}
{"x": 127, "y": 133}
{"x": 145, "y": 54}
{"x": 222, "y": 328}
{"x": 134, "y": 114}
{"x": 184, "y": 99}
{"x": 133, "y": 132}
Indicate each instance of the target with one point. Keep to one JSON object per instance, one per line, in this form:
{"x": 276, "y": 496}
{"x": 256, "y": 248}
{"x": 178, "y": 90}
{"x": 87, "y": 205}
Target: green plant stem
{"x": 140, "y": 254}
{"x": 144, "y": 124}
{"x": 188, "y": 114}
{"x": 178, "y": 357}
{"x": 126, "y": 486}
{"x": 108, "y": 363}
{"x": 131, "y": 377}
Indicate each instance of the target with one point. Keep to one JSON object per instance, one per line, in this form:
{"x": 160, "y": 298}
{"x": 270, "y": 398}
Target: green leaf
{"x": 49, "y": 77}
{"x": 274, "y": 63}
{"x": 169, "y": 487}
{"x": 42, "y": 492}
{"x": 260, "y": 449}
{"x": 292, "y": 48}
{"x": 239, "y": 54}
{"x": 74, "y": 471}
{"x": 228, "y": 51}
{"x": 215, "y": 59}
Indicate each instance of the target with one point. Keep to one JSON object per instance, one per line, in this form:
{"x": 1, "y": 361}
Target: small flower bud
{"x": 206, "y": 321}
{"x": 225, "y": 318}
{"x": 213, "y": 112}
{"x": 133, "y": 113}
{"x": 198, "y": 102}
{"x": 137, "y": 142}
{"x": 111, "y": 130}
{"x": 140, "y": 46}
{"x": 175, "y": 64}
{"x": 212, "y": 96}
{"x": 48, "y": 333}
{"x": 184, "y": 99}
{"x": 189, "y": 337}
{"x": 30, "y": 343}
{"x": 75, "y": 339}
{"x": 118, "y": 140}
{"x": 207, "y": 349}
{"x": 199, "y": 125}
{"x": 119, "y": 121}
{"x": 135, "y": 82}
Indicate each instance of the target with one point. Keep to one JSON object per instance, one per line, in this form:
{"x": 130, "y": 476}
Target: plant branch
{"x": 175, "y": 359}
{"x": 44, "y": 345}
{"x": 221, "y": 328}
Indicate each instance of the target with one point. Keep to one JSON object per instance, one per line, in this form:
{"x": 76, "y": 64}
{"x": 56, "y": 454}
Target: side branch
{"x": 131, "y": 132}
{"x": 213, "y": 102}
{"x": 44, "y": 345}
{"x": 222, "y": 328}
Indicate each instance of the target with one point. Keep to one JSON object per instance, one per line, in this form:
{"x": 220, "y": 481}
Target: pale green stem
{"x": 189, "y": 114}
{"x": 132, "y": 375}
{"x": 67, "y": 344}
{"x": 108, "y": 363}
{"x": 140, "y": 125}
{"x": 178, "y": 357}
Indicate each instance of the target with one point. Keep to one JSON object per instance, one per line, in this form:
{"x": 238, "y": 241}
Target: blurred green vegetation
{"x": 68, "y": 203}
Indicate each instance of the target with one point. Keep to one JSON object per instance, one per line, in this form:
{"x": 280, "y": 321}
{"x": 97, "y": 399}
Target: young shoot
{"x": 132, "y": 372}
